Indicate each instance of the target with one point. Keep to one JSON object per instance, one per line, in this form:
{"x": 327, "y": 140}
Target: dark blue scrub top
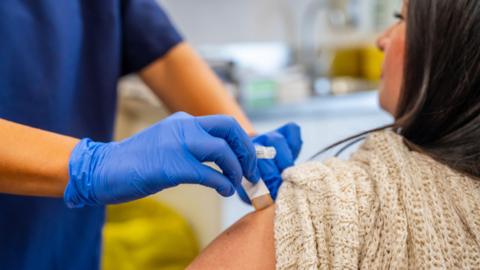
{"x": 59, "y": 65}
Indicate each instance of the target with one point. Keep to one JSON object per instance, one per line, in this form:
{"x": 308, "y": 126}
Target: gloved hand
{"x": 165, "y": 155}
{"x": 287, "y": 141}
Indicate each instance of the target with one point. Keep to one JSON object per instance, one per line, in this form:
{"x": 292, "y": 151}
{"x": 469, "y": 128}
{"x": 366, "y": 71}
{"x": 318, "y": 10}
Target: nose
{"x": 382, "y": 40}
{"x": 381, "y": 43}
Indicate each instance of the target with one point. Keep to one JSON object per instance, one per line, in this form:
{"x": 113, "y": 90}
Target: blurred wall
{"x": 228, "y": 21}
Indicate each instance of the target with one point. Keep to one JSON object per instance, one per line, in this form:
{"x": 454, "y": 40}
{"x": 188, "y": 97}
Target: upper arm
{"x": 248, "y": 244}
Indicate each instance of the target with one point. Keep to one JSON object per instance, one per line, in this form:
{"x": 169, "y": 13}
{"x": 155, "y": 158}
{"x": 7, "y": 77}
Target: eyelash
{"x": 398, "y": 15}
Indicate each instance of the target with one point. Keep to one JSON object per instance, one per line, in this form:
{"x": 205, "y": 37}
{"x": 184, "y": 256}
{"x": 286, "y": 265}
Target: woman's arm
{"x": 32, "y": 161}
{"x": 248, "y": 244}
{"x": 184, "y": 82}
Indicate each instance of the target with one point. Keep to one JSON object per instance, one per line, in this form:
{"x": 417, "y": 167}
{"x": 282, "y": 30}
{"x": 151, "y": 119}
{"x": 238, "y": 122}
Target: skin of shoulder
{"x": 248, "y": 244}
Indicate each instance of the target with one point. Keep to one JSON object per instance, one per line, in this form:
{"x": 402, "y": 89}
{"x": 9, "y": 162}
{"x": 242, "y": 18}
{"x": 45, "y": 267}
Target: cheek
{"x": 393, "y": 72}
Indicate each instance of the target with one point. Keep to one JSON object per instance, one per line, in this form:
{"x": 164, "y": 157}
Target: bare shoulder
{"x": 248, "y": 244}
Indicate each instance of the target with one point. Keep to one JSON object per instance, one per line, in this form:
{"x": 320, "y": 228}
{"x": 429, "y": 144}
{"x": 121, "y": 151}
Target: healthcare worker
{"x": 59, "y": 66}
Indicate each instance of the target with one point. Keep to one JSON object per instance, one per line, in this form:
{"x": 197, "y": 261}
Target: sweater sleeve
{"x": 323, "y": 213}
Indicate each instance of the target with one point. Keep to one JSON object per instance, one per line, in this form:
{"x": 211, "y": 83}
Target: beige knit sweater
{"x": 385, "y": 208}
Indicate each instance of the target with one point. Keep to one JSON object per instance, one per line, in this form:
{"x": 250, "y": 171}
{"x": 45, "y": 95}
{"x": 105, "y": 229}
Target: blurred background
{"x": 313, "y": 62}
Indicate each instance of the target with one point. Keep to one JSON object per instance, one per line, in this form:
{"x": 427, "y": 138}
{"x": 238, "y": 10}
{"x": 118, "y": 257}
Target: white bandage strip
{"x": 259, "y": 189}
{"x": 255, "y": 191}
{"x": 264, "y": 152}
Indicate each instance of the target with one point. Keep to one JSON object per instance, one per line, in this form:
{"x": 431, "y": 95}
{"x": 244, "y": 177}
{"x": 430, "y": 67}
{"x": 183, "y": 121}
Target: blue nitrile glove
{"x": 287, "y": 140}
{"x": 165, "y": 155}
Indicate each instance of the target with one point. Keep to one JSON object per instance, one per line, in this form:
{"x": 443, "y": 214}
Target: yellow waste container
{"x": 147, "y": 234}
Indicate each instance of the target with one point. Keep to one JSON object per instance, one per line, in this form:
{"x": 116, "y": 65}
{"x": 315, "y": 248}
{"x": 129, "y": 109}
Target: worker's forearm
{"x": 32, "y": 161}
{"x": 184, "y": 82}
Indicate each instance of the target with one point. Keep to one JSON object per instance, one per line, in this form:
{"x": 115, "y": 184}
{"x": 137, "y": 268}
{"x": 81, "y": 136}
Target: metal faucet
{"x": 340, "y": 16}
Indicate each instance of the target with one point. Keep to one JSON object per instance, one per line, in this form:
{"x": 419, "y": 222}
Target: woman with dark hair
{"x": 410, "y": 196}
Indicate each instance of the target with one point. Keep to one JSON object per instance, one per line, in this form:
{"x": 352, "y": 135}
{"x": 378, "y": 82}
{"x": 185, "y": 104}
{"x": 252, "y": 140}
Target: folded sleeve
{"x": 148, "y": 34}
{"x": 323, "y": 212}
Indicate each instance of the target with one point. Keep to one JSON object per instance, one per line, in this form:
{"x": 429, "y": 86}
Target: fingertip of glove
{"x": 226, "y": 192}
{"x": 293, "y": 125}
{"x": 254, "y": 178}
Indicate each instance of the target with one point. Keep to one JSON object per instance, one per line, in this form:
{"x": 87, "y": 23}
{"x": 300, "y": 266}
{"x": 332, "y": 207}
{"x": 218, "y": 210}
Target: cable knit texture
{"x": 385, "y": 208}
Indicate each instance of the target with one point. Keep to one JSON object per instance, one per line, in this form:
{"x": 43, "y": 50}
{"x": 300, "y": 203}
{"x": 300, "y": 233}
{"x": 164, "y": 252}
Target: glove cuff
{"x": 80, "y": 188}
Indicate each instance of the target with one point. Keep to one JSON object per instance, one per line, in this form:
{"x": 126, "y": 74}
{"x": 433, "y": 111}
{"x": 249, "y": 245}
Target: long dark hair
{"x": 439, "y": 108}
